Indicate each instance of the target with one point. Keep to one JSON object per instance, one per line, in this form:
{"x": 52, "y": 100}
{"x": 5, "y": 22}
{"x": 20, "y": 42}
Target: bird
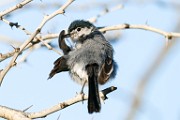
{"x": 91, "y": 61}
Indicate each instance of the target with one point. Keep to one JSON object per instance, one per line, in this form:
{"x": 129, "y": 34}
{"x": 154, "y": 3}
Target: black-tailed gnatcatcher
{"x": 90, "y": 61}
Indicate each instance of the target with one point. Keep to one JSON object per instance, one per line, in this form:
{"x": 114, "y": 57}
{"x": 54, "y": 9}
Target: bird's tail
{"x": 94, "y": 104}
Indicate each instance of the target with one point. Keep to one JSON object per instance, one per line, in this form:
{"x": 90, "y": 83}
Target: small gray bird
{"x": 91, "y": 61}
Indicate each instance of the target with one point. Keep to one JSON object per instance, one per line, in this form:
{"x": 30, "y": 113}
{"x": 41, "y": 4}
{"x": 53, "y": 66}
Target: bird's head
{"x": 79, "y": 29}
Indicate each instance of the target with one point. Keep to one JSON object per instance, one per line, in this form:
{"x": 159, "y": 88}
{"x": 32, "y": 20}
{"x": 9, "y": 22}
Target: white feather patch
{"x": 79, "y": 74}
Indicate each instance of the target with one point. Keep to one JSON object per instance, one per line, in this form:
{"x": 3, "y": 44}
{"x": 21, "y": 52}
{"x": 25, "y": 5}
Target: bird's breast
{"x": 78, "y": 73}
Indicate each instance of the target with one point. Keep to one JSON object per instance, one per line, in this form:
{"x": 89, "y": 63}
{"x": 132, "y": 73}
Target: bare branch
{"x": 45, "y": 37}
{"x": 18, "y": 6}
{"x": 22, "y": 47}
{"x": 110, "y": 28}
{"x": 60, "y": 106}
{"x": 168, "y": 35}
{"x": 12, "y": 114}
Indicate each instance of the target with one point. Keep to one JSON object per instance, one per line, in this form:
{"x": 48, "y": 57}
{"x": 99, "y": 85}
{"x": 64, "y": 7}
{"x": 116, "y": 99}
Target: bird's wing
{"x": 106, "y": 70}
{"x": 59, "y": 65}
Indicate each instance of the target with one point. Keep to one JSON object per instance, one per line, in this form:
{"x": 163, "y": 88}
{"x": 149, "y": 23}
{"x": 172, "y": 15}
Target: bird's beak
{"x": 64, "y": 34}
{"x": 67, "y": 35}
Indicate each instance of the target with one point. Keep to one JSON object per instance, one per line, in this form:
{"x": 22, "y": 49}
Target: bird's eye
{"x": 78, "y": 29}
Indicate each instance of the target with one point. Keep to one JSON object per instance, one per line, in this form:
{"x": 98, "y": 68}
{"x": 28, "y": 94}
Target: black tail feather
{"x": 94, "y": 104}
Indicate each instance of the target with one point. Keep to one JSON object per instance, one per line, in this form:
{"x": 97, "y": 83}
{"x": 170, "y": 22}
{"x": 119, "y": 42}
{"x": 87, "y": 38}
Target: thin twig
{"x": 104, "y": 12}
{"x": 50, "y": 47}
{"x": 24, "y": 57}
{"x": 139, "y": 92}
{"x": 27, "y": 108}
{"x": 11, "y": 24}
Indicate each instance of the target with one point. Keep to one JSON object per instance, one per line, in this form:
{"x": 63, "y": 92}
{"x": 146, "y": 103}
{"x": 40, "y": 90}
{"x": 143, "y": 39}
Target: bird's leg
{"x": 82, "y": 92}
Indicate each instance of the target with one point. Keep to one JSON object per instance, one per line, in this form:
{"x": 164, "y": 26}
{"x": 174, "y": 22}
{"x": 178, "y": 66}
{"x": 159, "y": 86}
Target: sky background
{"x": 135, "y": 52}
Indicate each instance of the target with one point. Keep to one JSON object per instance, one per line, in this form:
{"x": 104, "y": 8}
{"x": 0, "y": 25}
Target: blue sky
{"x": 135, "y": 51}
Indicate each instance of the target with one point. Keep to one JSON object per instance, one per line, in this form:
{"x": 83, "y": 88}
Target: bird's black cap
{"x": 79, "y": 23}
